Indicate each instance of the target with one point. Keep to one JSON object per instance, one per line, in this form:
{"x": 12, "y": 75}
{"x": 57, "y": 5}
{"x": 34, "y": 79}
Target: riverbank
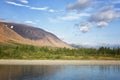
{"x": 60, "y": 62}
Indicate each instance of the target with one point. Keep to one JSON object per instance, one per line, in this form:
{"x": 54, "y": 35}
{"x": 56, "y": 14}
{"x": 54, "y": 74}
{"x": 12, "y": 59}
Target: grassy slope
{"x": 20, "y": 51}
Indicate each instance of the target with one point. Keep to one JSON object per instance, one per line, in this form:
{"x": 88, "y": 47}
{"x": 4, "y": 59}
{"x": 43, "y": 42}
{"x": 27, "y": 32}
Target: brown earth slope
{"x": 25, "y": 34}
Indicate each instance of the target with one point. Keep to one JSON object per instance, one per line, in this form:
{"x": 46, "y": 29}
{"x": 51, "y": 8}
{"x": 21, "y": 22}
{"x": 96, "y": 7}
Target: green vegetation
{"x": 19, "y": 51}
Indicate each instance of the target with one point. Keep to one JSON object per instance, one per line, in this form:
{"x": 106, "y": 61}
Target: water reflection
{"x": 25, "y": 72}
{"x": 59, "y": 72}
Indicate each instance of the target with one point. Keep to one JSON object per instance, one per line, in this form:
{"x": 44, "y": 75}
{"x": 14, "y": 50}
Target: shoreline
{"x": 61, "y": 62}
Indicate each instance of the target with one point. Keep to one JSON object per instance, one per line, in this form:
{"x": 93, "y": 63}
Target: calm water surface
{"x": 59, "y": 72}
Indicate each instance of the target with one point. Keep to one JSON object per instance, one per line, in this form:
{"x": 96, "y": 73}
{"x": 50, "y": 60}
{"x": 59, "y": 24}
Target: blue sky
{"x": 91, "y": 22}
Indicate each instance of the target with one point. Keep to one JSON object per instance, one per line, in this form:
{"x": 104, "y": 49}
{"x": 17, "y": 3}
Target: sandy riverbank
{"x": 59, "y": 62}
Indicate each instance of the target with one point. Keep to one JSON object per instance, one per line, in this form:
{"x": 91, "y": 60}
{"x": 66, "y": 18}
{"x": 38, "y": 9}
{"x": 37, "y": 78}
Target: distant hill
{"x": 95, "y": 46}
{"x": 21, "y": 33}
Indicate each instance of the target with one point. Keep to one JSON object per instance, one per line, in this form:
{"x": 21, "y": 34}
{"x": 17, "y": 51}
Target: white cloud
{"x": 103, "y": 16}
{"x": 16, "y": 4}
{"x": 24, "y": 1}
{"x": 83, "y": 27}
{"x": 37, "y": 8}
{"x": 80, "y": 4}
{"x": 106, "y": 15}
{"x": 71, "y": 16}
{"x": 51, "y": 10}
{"x": 30, "y": 7}
{"x": 29, "y": 22}
{"x": 102, "y": 23}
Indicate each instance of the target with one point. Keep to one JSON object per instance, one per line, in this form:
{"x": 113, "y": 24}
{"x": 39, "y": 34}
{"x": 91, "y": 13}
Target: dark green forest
{"x": 20, "y": 51}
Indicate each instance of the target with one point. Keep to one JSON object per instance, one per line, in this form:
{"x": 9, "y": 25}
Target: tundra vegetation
{"x": 20, "y": 51}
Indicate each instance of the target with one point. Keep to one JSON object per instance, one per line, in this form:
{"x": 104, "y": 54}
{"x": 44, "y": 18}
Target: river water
{"x": 53, "y": 72}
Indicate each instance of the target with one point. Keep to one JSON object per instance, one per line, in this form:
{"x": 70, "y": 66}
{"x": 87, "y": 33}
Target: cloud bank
{"x": 80, "y": 4}
{"x": 101, "y": 15}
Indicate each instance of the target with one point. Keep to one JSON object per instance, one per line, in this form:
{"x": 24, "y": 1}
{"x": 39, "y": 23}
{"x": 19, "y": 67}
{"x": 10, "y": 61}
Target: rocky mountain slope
{"x": 25, "y": 34}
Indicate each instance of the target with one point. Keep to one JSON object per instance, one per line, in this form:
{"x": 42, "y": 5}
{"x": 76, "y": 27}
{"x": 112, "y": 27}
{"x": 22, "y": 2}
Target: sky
{"x": 87, "y": 22}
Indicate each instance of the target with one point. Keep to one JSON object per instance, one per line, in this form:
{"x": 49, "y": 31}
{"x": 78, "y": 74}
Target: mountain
{"x": 21, "y": 33}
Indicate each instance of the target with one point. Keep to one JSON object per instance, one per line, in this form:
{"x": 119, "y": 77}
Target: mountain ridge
{"x": 26, "y": 34}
